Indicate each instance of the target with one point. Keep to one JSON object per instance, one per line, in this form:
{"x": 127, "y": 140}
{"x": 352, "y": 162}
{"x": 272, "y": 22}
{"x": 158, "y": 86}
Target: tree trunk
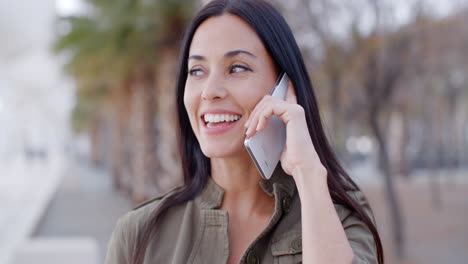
{"x": 339, "y": 135}
{"x": 395, "y": 210}
{"x": 461, "y": 115}
{"x": 95, "y": 143}
{"x": 119, "y": 164}
{"x": 168, "y": 151}
{"x": 143, "y": 158}
{"x": 438, "y": 149}
{"x": 398, "y": 141}
{"x": 404, "y": 157}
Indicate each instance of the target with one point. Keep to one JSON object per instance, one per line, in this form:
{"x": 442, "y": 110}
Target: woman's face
{"x": 229, "y": 71}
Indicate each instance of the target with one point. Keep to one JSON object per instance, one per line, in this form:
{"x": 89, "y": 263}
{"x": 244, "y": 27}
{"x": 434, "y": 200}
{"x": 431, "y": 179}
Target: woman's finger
{"x": 271, "y": 107}
{"x": 291, "y": 94}
{"x": 253, "y": 122}
{"x": 267, "y": 107}
{"x": 262, "y": 120}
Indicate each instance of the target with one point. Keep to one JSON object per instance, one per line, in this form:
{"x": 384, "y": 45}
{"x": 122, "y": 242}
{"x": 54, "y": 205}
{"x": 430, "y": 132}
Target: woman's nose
{"x": 214, "y": 89}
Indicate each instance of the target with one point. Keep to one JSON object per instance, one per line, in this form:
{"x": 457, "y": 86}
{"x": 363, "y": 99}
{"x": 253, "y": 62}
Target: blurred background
{"x": 87, "y": 117}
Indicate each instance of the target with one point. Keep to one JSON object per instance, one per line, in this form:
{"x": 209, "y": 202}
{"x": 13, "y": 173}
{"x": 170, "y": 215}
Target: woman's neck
{"x": 239, "y": 179}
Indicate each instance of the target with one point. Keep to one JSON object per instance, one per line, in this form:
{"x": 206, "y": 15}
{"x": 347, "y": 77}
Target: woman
{"x": 310, "y": 211}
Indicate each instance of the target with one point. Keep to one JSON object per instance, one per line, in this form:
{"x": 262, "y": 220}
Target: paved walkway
{"x": 434, "y": 234}
{"x": 85, "y": 205}
{"x": 26, "y": 187}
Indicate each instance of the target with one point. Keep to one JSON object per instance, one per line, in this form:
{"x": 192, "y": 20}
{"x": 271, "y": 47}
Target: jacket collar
{"x": 279, "y": 184}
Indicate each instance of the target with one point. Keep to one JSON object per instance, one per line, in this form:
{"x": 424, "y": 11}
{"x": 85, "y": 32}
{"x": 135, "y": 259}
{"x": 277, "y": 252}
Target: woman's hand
{"x": 299, "y": 153}
{"x": 322, "y": 232}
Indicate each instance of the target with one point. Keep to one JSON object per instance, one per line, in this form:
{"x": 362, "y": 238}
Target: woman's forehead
{"x": 221, "y": 34}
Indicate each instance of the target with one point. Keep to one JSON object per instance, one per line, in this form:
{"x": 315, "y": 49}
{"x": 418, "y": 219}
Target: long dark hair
{"x": 279, "y": 41}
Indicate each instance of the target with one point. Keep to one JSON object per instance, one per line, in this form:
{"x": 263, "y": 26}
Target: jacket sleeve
{"x": 118, "y": 249}
{"x": 359, "y": 236}
{"x": 122, "y": 244}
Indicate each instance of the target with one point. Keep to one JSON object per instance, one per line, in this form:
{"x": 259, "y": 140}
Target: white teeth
{"x": 216, "y": 118}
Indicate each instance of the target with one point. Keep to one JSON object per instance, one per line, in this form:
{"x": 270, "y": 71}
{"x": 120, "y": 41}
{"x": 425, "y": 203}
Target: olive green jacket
{"x": 197, "y": 231}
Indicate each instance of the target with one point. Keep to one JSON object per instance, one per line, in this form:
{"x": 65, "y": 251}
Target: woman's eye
{"x": 196, "y": 72}
{"x": 238, "y": 68}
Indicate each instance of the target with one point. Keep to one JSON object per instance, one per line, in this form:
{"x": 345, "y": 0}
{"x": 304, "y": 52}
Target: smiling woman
{"x": 228, "y": 78}
{"x": 309, "y": 211}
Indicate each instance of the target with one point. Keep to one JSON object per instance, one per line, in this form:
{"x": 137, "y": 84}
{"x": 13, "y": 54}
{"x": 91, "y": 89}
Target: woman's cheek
{"x": 251, "y": 99}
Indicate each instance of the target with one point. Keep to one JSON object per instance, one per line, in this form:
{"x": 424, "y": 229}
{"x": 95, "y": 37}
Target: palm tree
{"x": 118, "y": 49}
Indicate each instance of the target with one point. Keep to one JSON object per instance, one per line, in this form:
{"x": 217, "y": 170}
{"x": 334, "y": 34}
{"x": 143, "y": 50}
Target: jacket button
{"x": 286, "y": 203}
{"x": 252, "y": 258}
{"x": 296, "y": 244}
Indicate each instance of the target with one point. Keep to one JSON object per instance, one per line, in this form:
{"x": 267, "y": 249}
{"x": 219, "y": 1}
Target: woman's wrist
{"x": 308, "y": 178}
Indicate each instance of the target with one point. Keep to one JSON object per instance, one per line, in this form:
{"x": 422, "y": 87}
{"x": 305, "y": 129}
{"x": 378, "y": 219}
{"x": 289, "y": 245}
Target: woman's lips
{"x": 215, "y": 128}
{"x": 218, "y": 121}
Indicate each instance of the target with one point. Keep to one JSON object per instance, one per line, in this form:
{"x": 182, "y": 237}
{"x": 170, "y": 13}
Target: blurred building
{"x": 35, "y": 102}
{"x": 35, "y": 98}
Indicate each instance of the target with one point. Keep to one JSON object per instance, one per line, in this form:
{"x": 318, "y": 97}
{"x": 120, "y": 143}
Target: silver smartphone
{"x": 266, "y": 146}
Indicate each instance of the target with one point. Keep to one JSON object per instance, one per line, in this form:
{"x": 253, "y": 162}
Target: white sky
{"x": 69, "y": 7}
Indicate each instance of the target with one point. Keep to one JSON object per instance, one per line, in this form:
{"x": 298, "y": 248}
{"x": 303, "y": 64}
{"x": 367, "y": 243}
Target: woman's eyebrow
{"x": 196, "y": 57}
{"x": 229, "y": 54}
{"x": 237, "y": 52}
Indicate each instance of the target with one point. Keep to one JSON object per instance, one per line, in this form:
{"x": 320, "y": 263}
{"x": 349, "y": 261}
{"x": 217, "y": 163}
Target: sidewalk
{"x": 54, "y": 208}
{"x": 26, "y": 187}
{"x": 435, "y": 232}
{"x": 85, "y": 205}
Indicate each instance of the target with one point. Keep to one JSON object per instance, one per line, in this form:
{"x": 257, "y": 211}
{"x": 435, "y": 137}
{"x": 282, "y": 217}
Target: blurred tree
{"x": 363, "y": 66}
{"x": 400, "y": 82}
{"x": 119, "y": 45}
{"x": 383, "y": 59}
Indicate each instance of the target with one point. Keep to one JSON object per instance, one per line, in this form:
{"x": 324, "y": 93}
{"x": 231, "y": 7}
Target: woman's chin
{"x": 220, "y": 151}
